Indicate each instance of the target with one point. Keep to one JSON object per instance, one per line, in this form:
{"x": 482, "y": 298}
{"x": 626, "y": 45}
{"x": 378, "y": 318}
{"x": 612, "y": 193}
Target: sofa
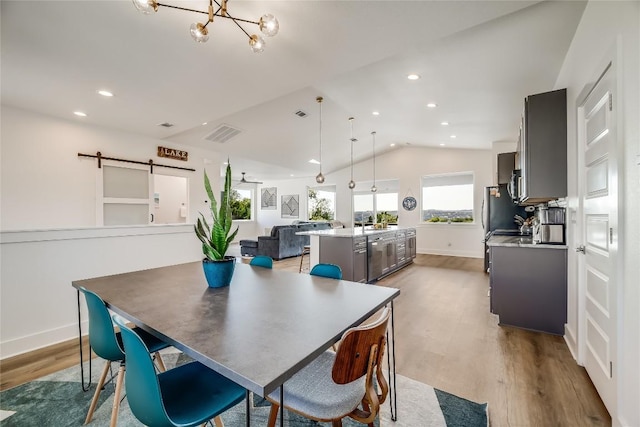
{"x": 283, "y": 242}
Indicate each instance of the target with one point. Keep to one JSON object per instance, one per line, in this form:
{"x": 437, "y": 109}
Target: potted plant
{"x": 215, "y": 238}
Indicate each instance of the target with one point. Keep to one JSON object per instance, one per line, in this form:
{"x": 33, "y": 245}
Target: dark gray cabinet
{"x": 529, "y": 287}
{"x": 506, "y": 165}
{"x": 350, "y": 253}
{"x": 367, "y": 258}
{"x": 543, "y": 148}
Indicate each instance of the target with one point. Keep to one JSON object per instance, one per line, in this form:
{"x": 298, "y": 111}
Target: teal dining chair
{"x": 185, "y": 396}
{"x": 107, "y": 344}
{"x": 261, "y": 261}
{"x": 331, "y": 271}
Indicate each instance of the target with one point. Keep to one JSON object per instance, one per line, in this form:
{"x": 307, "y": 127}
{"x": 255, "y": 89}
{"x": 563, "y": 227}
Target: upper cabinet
{"x": 506, "y": 165}
{"x": 542, "y": 148}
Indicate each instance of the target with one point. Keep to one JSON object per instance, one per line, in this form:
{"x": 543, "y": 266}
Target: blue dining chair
{"x": 185, "y": 396}
{"x": 331, "y": 271}
{"x": 261, "y": 261}
{"x": 107, "y": 344}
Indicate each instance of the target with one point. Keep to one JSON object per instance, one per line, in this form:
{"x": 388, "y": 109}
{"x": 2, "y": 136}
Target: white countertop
{"x": 350, "y": 232}
{"x": 520, "y": 241}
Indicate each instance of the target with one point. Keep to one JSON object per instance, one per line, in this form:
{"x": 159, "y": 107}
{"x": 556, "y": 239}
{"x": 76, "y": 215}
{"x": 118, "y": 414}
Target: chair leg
{"x": 116, "y": 396}
{"x": 367, "y": 408}
{"x": 218, "y": 421}
{"x": 160, "y": 362}
{"x": 301, "y": 258}
{"x": 273, "y": 415}
{"x": 336, "y": 423}
{"x": 96, "y": 395}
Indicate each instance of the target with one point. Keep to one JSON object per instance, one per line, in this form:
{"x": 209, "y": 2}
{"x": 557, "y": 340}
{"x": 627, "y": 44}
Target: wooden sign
{"x": 172, "y": 153}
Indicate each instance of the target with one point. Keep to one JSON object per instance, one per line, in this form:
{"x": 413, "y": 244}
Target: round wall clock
{"x": 409, "y": 203}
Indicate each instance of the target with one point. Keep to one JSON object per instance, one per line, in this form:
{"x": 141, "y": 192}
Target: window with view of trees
{"x": 240, "y": 201}
{"x": 321, "y": 203}
{"x": 378, "y": 207}
{"x": 448, "y": 198}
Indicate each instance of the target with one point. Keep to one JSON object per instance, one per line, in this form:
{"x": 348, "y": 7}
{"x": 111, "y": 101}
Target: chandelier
{"x": 268, "y": 24}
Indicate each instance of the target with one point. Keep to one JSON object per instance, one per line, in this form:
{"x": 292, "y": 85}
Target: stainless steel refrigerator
{"x": 498, "y": 214}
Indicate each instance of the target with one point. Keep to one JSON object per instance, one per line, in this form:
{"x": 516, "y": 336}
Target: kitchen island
{"x": 363, "y": 254}
{"x": 528, "y": 283}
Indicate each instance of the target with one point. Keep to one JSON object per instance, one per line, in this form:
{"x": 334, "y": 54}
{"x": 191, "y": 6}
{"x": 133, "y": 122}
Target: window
{"x": 240, "y": 201}
{"x": 381, "y": 206}
{"x": 321, "y": 203}
{"x": 447, "y": 198}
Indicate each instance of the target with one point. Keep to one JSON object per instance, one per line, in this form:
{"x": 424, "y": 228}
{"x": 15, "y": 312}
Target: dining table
{"x": 259, "y": 331}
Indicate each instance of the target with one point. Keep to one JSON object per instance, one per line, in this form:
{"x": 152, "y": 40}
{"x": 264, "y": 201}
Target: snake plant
{"x": 216, "y": 237}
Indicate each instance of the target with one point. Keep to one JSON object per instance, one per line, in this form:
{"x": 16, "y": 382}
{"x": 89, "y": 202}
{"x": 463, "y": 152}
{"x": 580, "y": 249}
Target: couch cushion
{"x": 249, "y": 243}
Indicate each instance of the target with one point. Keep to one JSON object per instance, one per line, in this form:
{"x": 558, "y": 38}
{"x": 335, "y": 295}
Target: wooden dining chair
{"x": 261, "y": 261}
{"x": 331, "y": 271}
{"x": 185, "y": 396}
{"x": 107, "y": 344}
{"x": 341, "y": 384}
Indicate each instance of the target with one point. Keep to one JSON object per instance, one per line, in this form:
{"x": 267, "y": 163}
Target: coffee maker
{"x": 548, "y": 227}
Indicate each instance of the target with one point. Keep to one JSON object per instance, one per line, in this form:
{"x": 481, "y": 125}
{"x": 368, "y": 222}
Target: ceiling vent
{"x": 222, "y": 133}
{"x": 166, "y": 125}
{"x": 300, "y": 113}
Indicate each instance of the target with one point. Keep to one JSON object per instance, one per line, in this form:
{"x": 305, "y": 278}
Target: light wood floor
{"x": 446, "y": 337}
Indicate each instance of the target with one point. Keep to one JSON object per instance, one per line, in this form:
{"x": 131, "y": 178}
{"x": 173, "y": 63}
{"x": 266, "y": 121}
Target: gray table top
{"x": 258, "y": 332}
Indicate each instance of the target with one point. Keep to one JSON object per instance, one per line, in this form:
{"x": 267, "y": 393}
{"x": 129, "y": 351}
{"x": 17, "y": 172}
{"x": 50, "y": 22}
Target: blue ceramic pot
{"x": 219, "y": 273}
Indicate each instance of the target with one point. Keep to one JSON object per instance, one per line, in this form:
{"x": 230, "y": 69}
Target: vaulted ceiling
{"x": 477, "y": 61}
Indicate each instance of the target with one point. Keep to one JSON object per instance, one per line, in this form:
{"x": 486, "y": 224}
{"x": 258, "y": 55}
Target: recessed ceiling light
{"x": 392, "y": 144}
{"x": 432, "y": 105}
{"x": 453, "y": 137}
{"x": 314, "y": 161}
{"x": 291, "y": 175}
{"x": 442, "y": 144}
{"x": 444, "y": 123}
{"x": 413, "y": 77}
{"x": 80, "y": 113}
{"x": 105, "y": 93}
{"x": 376, "y": 113}
{"x": 204, "y": 124}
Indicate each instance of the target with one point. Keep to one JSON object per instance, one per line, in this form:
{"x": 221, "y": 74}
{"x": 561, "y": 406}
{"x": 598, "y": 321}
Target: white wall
{"x": 407, "y": 165}
{"x": 606, "y": 27}
{"x": 46, "y": 188}
{"x": 46, "y": 185}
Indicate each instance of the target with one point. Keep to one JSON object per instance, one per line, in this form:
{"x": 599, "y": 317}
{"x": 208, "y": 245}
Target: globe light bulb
{"x": 269, "y": 25}
{"x": 256, "y": 43}
{"x": 374, "y": 188}
{"x": 352, "y": 184}
{"x": 320, "y": 178}
{"x": 146, "y": 6}
{"x": 199, "y": 32}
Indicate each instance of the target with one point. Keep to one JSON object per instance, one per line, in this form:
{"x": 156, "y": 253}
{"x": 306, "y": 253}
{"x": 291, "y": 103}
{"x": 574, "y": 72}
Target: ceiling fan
{"x": 243, "y": 180}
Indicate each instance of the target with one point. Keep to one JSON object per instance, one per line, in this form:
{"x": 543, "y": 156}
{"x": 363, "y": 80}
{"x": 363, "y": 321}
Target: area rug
{"x": 58, "y": 400}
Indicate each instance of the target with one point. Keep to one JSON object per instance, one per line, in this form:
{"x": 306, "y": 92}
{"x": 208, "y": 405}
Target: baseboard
{"x": 17, "y": 346}
{"x": 457, "y": 253}
{"x": 570, "y": 340}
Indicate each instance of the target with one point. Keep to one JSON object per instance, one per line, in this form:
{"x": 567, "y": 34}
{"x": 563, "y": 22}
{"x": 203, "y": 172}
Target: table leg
{"x": 391, "y": 369}
{"x": 248, "y": 408}
{"x": 81, "y": 353}
{"x": 282, "y": 405}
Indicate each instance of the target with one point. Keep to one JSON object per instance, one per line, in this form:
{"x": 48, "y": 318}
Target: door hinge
{"x": 611, "y": 235}
{"x": 610, "y": 369}
{"x": 610, "y": 101}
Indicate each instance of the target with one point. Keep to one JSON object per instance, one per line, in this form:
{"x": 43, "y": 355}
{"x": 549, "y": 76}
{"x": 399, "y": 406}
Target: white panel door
{"x": 598, "y": 171}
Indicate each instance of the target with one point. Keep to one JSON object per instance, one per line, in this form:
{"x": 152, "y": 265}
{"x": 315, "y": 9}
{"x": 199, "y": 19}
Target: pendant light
{"x": 320, "y": 177}
{"x": 373, "y": 187}
{"x": 352, "y": 183}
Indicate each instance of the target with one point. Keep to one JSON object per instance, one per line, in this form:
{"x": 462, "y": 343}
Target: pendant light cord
{"x": 319, "y": 99}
